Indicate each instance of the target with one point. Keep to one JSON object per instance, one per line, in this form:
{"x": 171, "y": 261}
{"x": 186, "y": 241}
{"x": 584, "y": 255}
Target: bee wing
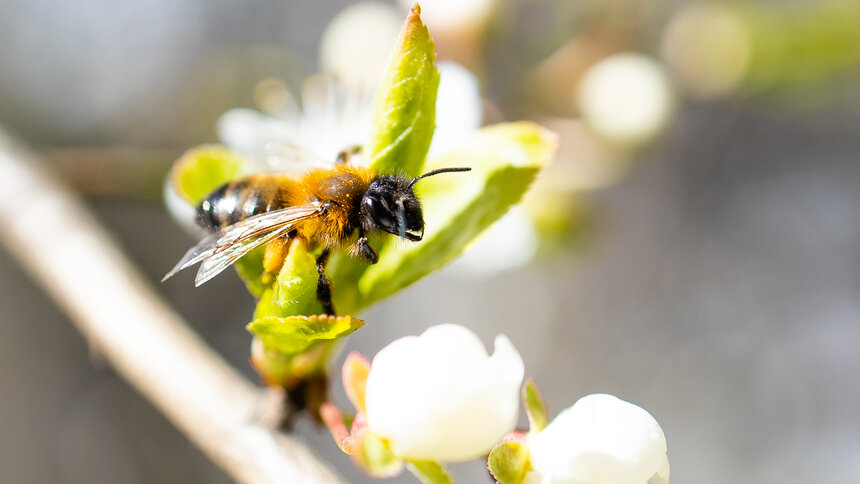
{"x": 226, "y": 246}
{"x": 219, "y": 261}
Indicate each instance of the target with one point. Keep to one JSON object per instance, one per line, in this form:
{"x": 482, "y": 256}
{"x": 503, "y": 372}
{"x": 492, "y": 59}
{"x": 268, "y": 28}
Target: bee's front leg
{"x": 362, "y": 249}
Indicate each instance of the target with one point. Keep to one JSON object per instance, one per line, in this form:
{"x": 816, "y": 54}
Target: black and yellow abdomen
{"x": 243, "y": 198}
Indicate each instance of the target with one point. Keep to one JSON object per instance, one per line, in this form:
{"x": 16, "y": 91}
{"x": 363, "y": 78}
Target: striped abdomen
{"x": 242, "y": 198}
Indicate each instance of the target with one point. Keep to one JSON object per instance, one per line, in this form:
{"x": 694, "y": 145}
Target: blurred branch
{"x": 63, "y": 248}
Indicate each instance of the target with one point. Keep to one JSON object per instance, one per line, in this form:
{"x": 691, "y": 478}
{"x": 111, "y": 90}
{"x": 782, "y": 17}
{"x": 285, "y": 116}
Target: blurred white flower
{"x": 508, "y": 244}
{"x": 440, "y": 397}
{"x": 601, "y": 439}
{"x": 334, "y": 116}
{"x": 357, "y": 43}
{"x": 459, "y": 110}
{"x": 626, "y": 98}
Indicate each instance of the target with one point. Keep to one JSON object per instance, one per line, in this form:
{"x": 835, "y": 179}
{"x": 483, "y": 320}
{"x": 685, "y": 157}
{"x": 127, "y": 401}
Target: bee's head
{"x": 390, "y": 205}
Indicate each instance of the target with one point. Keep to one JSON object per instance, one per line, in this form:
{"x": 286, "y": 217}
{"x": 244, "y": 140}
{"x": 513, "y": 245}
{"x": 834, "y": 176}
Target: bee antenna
{"x": 436, "y": 172}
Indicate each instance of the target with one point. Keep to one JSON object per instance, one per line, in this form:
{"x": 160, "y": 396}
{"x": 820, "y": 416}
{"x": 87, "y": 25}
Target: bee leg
{"x": 273, "y": 258}
{"x": 362, "y": 249}
{"x": 347, "y": 153}
{"x": 324, "y": 284}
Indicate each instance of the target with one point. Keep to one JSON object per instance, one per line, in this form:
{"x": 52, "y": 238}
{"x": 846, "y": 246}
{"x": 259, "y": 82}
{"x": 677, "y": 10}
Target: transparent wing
{"x": 219, "y": 261}
{"x": 226, "y": 246}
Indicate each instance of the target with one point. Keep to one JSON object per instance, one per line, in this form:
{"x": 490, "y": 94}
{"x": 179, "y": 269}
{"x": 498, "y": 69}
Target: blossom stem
{"x": 66, "y": 251}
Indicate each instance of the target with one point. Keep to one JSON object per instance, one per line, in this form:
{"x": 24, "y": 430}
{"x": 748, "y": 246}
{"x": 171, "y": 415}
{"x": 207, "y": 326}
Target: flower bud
{"x": 440, "y": 397}
{"x": 601, "y": 439}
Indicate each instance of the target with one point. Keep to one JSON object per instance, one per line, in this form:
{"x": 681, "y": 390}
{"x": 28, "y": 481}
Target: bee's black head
{"x": 390, "y": 204}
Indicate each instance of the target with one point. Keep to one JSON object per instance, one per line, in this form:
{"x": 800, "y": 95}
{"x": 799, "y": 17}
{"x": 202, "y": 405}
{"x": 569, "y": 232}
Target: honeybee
{"x": 324, "y": 207}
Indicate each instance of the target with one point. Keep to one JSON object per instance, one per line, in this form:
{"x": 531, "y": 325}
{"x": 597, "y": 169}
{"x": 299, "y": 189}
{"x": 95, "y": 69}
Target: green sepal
{"x": 203, "y": 169}
{"x": 509, "y": 462}
{"x": 356, "y": 369}
{"x": 404, "y": 114}
{"x": 535, "y": 407}
{"x": 457, "y": 208}
{"x": 374, "y": 456}
{"x": 658, "y": 479}
{"x": 429, "y": 472}
{"x": 295, "y": 334}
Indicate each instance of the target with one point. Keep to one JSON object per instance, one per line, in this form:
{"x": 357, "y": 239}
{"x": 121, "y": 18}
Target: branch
{"x": 65, "y": 250}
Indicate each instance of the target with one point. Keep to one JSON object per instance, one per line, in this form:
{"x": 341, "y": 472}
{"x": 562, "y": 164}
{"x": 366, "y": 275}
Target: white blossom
{"x": 601, "y": 439}
{"x": 510, "y": 243}
{"x": 335, "y": 115}
{"x": 356, "y": 44}
{"x": 440, "y": 397}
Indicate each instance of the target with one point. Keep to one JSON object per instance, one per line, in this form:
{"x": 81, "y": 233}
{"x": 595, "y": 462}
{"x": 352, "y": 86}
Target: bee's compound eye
{"x": 378, "y": 211}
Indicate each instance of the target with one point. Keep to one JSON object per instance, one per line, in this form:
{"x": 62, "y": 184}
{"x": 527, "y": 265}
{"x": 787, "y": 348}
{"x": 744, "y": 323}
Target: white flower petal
{"x": 356, "y": 44}
{"x": 601, "y": 439}
{"x": 182, "y": 212}
{"x": 662, "y": 474}
{"x": 459, "y": 109}
{"x": 508, "y": 244}
{"x": 439, "y": 396}
{"x": 335, "y": 117}
{"x": 248, "y": 132}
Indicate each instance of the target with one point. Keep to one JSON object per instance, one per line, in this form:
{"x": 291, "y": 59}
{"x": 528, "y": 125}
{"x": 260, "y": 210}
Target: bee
{"x": 325, "y": 208}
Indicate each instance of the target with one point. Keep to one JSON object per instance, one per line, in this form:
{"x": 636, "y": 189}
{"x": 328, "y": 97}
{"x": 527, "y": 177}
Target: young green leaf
{"x": 295, "y": 334}
{"x": 405, "y": 110}
{"x": 250, "y": 269}
{"x": 535, "y": 408}
{"x": 203, "y": 169}
{"x": 457, "y": 207}
{"x": 294, "y": 292}
{"x": 509, "y": 462}
{"x": 429, "y": 472}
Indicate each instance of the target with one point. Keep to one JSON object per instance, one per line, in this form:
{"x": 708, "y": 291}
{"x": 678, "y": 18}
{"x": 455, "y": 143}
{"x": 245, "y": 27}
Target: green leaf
{"x": 375, "y": 457}
{"x": 250, "y": 269}
{"x": 429, "y": 472}
{"x": 203, "y": 169}
{"x": 535, "y": 407}
{"x": 294, "y": 291}
{"x": 457, "y": 207}
{"x": 509, "y": 462}
{"x": 295, "y": 334}
{"x": 405, "y": 110}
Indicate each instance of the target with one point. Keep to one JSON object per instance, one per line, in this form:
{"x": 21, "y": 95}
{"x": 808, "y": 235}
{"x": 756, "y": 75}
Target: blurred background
{"x": 695, "y": 247}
